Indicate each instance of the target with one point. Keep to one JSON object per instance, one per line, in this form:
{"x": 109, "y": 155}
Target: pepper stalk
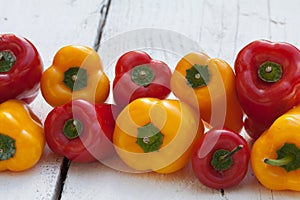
{"x": 288, "y": 158}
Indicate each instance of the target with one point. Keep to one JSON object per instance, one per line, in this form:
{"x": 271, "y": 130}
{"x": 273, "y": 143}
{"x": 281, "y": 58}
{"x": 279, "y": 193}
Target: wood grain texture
{"x": 49, "y": 25}
{"x": 219, "y": 28}
{"x": 168, "y": 30}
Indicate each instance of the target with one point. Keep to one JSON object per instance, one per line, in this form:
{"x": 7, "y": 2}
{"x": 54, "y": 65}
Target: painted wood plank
{"x": 49, "y": 25}
{"x": 106, "y": 183}
{"x": 284, "y": 27}
{"x": 167, "y": 30}
{"x": 251, "y": 23}
{"x": 284, "y": 21}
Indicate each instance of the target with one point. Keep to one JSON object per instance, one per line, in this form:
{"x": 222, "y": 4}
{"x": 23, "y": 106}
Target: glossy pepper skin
{"x": 156, "y": 135}
{"x": 220, "y": 158}
{"x": 81, "y": 131}
{"x": 76, "y": 73}
{"x": 21, "y": 69}
{"x": 267, "y": 94}
{"x": 281, "y": 142}
{"x": 138, "y": 75}
{"x": 22, "y": 138}
{"x": 208, "y": 84}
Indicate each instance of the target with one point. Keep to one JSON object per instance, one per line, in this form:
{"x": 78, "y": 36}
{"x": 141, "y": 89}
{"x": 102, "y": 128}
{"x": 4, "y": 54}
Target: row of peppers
{"x": 145, "y": 129}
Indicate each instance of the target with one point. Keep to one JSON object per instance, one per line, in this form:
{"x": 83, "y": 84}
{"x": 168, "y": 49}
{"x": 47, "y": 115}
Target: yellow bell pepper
{"x": 208, "y": 85}
{"x": 275, "y": 155}
{"x": 156, "y": 135}
{"x": 22, "y": 139}
{"x": 76, "y": 72}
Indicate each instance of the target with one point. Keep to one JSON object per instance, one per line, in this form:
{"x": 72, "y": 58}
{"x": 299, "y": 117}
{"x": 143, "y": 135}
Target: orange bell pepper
{"x": 76, "y": 72}
{"x": 22, "y": 139}
{"x": 156, "y": 135}
{"x": 275, "y": 155}
{"x": 208, "y": 84}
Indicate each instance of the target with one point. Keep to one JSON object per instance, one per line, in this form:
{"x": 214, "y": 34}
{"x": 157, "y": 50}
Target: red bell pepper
{"x": 267, "y": 82}
{"x": 220, "y": 158}
{"x": 20, "y": 69}
{"x": 138, "y": 75}
{"x": 81, "y": 131}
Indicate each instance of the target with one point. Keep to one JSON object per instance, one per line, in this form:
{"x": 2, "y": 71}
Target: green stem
{"x": 270, "y": 72}
{"x": 231, "y": 153}
{"x": 149, "y": 138}
{"x": 75, "y": 78}
{"x": 7, "y": 147}
{"x": 142, "y": 75}
{"x": 288, "y": 157}
{"x": 222, "y": 158}
{"x": 7, "y": 60}
{"x": 278, "y": 162}
{"x": 72, "y": 128}
{"x": 197, "y": 76}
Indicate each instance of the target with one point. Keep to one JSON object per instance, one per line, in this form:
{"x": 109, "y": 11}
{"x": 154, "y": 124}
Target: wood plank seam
{"x": 102, "y": 21}
{"x": 66, "y": 162}
{"x": 237, "y": 28}
{"x": 62, "y": 177}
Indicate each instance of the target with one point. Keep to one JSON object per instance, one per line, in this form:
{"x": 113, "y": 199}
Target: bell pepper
{"x": 267, "y": 79}
{"x": 138, "y": 75}
{"x": 20, "y": 67}
{"x": 156, "y": 135}
{"x": 208, "y": 84}
{"x": 221, "y": 158}
{"x": 22, "y": 138}
{"x": 81, "y": 131}
{"x": 76, "y": 73}
{"x": 275, "y": 155}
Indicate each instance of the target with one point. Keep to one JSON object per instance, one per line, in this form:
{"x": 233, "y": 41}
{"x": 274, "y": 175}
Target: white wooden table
{"x": 167, "y": 29}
